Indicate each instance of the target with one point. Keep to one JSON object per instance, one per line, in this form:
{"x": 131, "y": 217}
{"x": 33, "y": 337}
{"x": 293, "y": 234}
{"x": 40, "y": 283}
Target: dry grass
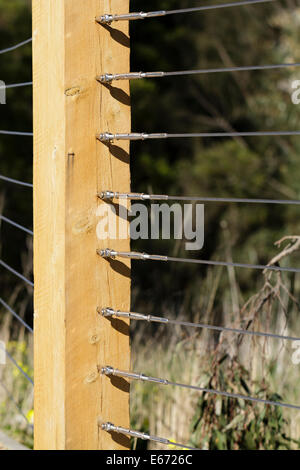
{"x": 190, "y": 357}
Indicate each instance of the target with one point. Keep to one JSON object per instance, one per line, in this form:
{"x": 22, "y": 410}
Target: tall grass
{"x": 253, "y": 366}
{"x": 16, "y": 393}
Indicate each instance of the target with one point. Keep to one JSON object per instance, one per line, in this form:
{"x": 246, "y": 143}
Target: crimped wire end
{"x": 105, "y": 19}
{"x": 109, "y": 195}
{"x": 105, "y": 78}
{"x": 108, "y": 19}
{"x": 110, "y": 312}
{"x": 107, "y": 370}
{"x": 105, "y": 137}
{"x": 108, "y": 78}
{"x": 110, "y": 371}
{"x": 104, "y": 195}
{"x": 106, "y": 312}
{"x": 107, "y": 253}
{"x": 108, "y": 427}
{"x": 109, "y": 137}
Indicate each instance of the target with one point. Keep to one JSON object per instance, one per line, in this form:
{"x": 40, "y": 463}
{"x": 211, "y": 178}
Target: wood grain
{"x": 70, "y": 167}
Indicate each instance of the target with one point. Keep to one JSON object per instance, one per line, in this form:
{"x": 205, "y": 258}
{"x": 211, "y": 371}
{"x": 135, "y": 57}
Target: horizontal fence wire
{"x": 16, "y": 364}
{"x": 16, "y": 46}
{"x": 14, "y": 314}
{"x": 109, "y": 137}
{"x": 14, "y": 181}
{"x": 109, "y": 18}
{"x": 162, "y": 197}
{"x": 23, "y": 134}
{"x": 9, "y": 395}
{"x": 110, "y": 371}
{"x": 218, "y": 6}
{"x": 16, "y": 273}
{"x": 111, "y": 428}
{"x": 15, "y": 224}
{"x": 108, "y": 77}
{"x": 112, "y": 254}
{"x": 5, "y": 219}
{"x": 111, "y": 313}
{"x": 16, "y": 85}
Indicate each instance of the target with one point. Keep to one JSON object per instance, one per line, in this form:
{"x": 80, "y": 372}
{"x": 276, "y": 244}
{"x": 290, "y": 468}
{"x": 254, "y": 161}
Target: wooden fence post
{"x": 70, "y": 167}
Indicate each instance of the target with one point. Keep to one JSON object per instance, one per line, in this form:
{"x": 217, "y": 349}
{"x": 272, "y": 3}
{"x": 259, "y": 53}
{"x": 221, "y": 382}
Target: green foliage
{"x": 247, "y": 101}
{"x": 228, "y": 424}
{"x": 12, "y": 422}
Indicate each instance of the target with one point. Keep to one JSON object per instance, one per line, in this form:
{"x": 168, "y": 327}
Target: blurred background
{"x": 264, "y": 167}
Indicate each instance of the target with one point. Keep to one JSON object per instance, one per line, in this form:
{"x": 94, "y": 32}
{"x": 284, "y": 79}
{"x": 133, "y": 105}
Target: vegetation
{"x": 244, "y": 167}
